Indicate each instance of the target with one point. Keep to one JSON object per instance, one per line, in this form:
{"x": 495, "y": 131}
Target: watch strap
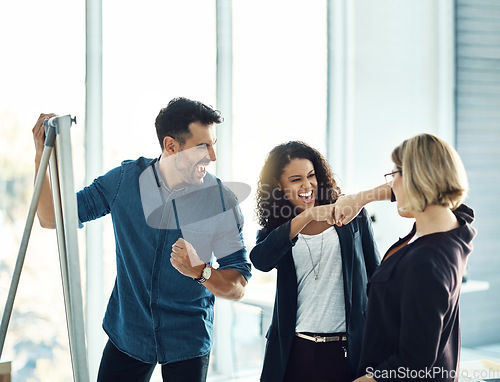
{"x": 202, "y": 279}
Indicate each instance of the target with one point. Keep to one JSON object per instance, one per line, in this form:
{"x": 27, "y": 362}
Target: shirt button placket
{"x": 154, "y": 297}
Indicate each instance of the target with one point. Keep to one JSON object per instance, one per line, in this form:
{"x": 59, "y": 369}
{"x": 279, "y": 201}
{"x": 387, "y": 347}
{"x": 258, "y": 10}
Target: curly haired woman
{"x": 322, "y": 269}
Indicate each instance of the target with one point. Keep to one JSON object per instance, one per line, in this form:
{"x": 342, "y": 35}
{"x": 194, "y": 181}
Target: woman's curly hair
{"x": 271, "y": 201}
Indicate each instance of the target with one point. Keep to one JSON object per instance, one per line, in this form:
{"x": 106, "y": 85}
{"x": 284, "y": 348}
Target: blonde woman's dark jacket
{"x": 360, "y": 258}
{"x": 412, "y": 323}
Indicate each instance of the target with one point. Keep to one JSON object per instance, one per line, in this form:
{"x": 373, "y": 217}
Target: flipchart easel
{"x": 57, "y": 131}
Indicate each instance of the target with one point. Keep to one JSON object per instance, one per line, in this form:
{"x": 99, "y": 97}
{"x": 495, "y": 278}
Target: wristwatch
{"x": 205, "y": 275}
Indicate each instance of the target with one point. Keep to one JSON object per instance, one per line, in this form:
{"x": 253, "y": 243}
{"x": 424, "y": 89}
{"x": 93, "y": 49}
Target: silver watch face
{"x": 207, "y": 272}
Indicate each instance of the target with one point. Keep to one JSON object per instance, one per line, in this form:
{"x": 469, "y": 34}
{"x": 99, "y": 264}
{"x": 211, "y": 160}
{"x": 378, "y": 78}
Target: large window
{"x": 279, "y": 94}
{"x": 42, "y": 70}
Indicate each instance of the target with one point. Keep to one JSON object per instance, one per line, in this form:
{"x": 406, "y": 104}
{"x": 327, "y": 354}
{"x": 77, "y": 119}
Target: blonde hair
{"x": 432, "y": 172}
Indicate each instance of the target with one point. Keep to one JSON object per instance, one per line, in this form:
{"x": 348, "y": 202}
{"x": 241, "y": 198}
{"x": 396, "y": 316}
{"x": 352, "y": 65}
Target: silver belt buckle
{"x": 319, "y": 339}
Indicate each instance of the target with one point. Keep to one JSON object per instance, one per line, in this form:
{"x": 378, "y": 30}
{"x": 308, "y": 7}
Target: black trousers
{"x": 118, "y": 366}
{"x": 317, "y": 361}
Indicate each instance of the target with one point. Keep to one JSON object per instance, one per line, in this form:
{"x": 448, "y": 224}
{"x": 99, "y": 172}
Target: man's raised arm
{"x": 45, "y": 211}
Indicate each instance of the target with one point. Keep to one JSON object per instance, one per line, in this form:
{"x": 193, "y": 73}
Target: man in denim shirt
{"x": 170, "y": 218}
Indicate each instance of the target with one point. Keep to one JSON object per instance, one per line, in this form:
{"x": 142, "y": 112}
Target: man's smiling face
{"x": 196, "y": 153}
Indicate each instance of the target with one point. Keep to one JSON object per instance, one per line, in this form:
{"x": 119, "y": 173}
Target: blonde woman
{"x": 412, "y": 323}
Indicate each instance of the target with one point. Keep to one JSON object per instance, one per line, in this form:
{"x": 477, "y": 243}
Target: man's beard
{"x": 188, "y": 171}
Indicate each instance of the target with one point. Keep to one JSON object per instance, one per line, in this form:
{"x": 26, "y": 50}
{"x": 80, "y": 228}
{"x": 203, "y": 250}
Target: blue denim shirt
{"x": 156, "y": 314}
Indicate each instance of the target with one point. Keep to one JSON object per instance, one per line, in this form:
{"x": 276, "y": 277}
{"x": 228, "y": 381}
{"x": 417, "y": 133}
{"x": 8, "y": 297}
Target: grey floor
{"x": 473, "y": 368}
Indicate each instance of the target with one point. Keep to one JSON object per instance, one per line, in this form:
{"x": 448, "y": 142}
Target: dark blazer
{"x": 412, "y": 322}
{"x": 359, "y": 260}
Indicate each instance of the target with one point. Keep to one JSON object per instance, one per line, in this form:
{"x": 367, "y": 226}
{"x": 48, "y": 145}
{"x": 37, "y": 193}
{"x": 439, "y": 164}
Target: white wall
{"x": 399, "y": 85}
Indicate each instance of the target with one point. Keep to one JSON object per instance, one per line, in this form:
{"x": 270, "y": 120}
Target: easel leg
{"x": 68, "y": 250}
{"x": 61, "y": 244}
{"x": 7, "y": 313}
